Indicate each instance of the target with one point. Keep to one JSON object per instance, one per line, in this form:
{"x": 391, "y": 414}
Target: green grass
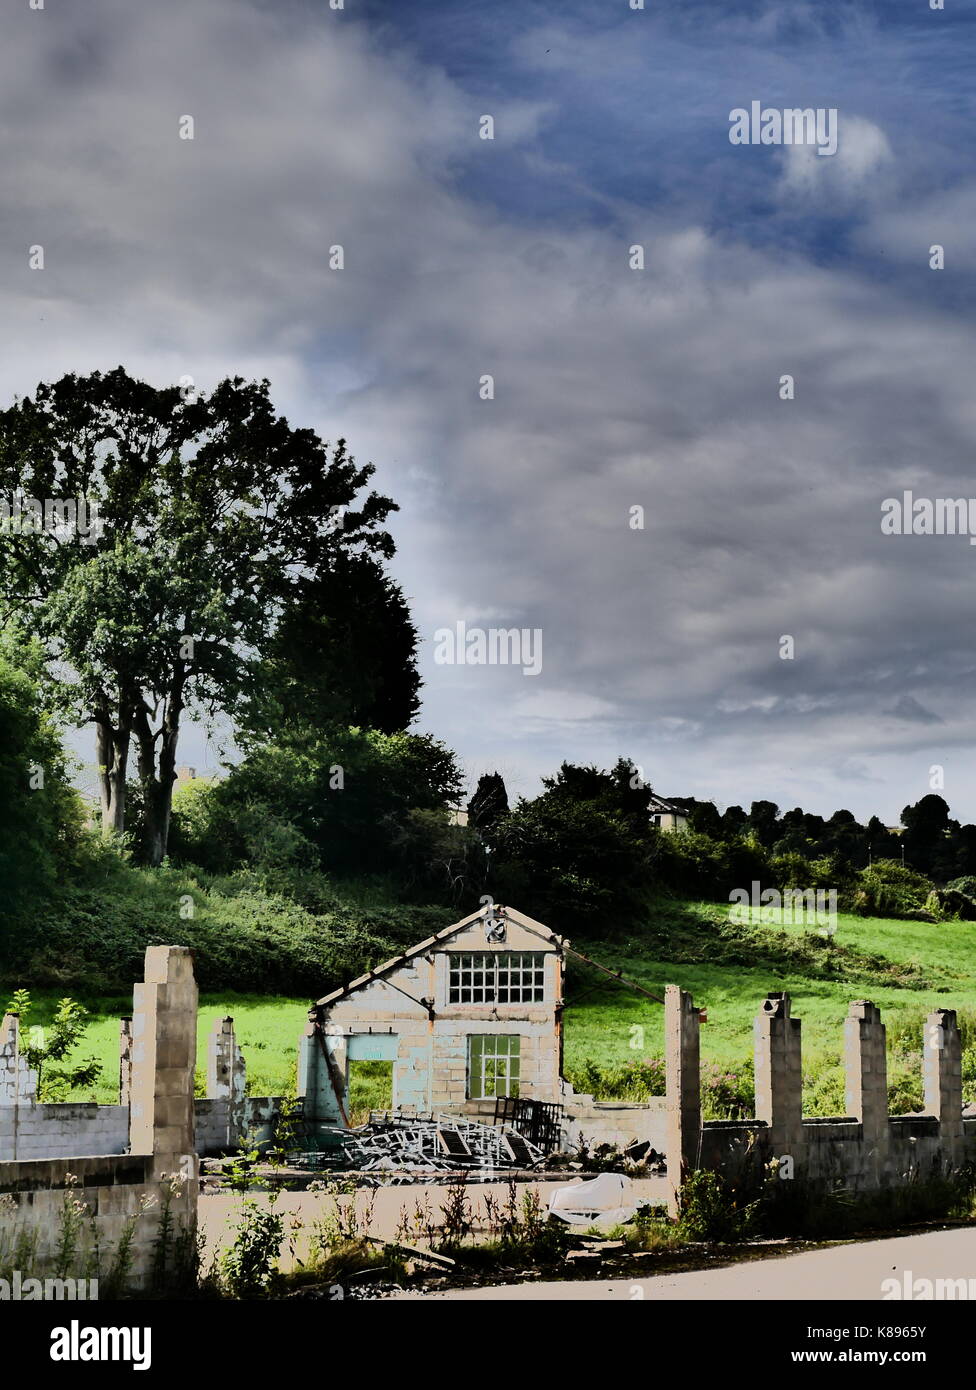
{"x": 907, "y": 968}
{"x": 267, "y": 1027}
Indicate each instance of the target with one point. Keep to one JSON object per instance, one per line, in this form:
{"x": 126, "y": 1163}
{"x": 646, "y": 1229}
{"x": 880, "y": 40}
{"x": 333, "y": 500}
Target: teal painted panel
{"x": 372, "y": 1047}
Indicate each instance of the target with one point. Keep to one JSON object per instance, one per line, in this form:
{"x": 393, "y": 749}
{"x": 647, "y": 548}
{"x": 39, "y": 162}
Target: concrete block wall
{"x": 124, "y": 1196}
{"x": 219, "y": 1128}
{"x": 31, "y": 1131}
{"x": 615, "y": 1122}
{"x": 428, "y": 1034}
{"x": 58, "y": 1131}
{"x": 861, "y": 1151}
{"x": 682, "y": 1061}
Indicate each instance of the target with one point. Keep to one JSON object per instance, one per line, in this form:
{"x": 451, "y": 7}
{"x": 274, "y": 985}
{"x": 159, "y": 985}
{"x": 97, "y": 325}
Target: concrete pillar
{"x": 866, "y": 1069}
{"x": 227, "y": 1076}
{"x": 682, "y": 1026}
{"x": 125, "y": 1060}
{"x": 779, "y": 1077}
{"x": 942, "y": 1073}
{"x": 866, "y": 1082}
{"x": 17, "y": 1082}
{"x": 164, "y": 1049}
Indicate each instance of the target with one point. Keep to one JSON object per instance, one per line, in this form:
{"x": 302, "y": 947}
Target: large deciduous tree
{"x": 216, "y": 520}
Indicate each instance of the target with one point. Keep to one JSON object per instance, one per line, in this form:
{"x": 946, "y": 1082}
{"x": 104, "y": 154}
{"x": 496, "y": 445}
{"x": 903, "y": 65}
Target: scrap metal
{"x": 438, "y": 1143}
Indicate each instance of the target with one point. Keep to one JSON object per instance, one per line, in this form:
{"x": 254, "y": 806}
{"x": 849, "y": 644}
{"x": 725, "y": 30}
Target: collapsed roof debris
{"x": 438, "y": 1144}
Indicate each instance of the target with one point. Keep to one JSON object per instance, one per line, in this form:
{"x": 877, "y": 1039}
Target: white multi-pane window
{"x": 496, "y": 977}
{"x": 493, "y": 1066}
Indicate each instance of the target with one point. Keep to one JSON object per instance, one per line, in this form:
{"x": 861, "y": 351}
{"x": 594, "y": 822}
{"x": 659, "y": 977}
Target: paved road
{"x": 846, "y": 1272}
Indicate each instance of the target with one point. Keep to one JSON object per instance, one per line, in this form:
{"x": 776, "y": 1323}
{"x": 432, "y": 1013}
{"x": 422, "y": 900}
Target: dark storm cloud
{"x": 614, "y": 388}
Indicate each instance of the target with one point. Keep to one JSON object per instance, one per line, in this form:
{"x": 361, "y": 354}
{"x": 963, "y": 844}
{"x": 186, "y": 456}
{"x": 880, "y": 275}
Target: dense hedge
{"x": 93, "y": 933}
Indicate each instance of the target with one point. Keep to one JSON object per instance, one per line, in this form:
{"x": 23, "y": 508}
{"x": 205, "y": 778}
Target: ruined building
{"x": 470, "y": 1014}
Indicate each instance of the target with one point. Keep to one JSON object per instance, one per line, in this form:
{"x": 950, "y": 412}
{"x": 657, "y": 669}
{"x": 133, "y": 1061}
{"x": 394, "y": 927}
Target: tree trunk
{"x": 157, "y": 786}
{"x": 112, "y": 758}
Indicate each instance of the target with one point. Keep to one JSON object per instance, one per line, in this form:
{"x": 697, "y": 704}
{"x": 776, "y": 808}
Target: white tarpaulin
{"x": 606, "y": 1200}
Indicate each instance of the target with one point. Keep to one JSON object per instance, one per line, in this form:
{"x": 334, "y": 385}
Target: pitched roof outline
{"x": 445, "y": 934}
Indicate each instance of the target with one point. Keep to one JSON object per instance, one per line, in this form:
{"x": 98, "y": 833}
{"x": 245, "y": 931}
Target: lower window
{"x": 493, "y": 1066}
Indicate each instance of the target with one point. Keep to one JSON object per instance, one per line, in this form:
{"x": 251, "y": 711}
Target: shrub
{"x": 890, "y": 889}
{"x": 634, "y": 1081}
{"x": 714, "y": 1208}
{"x": 727, "y": 1093}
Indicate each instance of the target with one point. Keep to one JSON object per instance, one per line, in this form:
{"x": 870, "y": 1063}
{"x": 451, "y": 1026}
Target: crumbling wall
{"x": 219, "y": 1131}
{"x": 17, "y": 1081}
{"x": 147, "y": 1198}
{"x": 426, "y": 1036}
{"x": 31, "y": 1131}
{"x": 615, "y": 1122}
{"x": 862, "y": 1151}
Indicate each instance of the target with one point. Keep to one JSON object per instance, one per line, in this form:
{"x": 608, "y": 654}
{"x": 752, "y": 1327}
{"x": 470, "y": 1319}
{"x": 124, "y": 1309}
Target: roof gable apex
{"x": 445, "y": 934}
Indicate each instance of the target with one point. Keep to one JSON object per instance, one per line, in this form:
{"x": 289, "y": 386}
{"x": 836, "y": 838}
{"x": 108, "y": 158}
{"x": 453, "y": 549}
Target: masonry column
{"x": 779, "y": 1077}
{"x": 17, "y": 1082}
{"x": 164, "y": 1049}
{"x": 942, "y": 1075}
{"x": 866, "y": 1080}
{"x": 682, "y": 1027}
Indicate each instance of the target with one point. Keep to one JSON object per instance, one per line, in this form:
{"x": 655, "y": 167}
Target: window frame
{"x": 501, "y": 978}
{"x": 486, "y": 1049}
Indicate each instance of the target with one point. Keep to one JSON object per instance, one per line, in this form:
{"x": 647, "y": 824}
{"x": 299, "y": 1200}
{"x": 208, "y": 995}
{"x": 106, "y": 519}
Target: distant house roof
{"x": 445, "y": 935}
{"x": 661, "y": 806}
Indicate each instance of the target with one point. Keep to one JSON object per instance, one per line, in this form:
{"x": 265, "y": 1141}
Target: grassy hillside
{"x": 907, "y": 968}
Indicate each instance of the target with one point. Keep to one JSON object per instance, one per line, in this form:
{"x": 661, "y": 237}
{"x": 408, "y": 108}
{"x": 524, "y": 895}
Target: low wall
{"x": 865, "y": 1150}
{"x": 120, "y": 1196}
{"x": 133, "y": 1214}
{"x": 615, "y": 1122}
{"x": 220, "y": 1125}
{"x": 30, "y": 1131}
{"x": 836, "y": 1150}
{"x": 34, "y": 1132}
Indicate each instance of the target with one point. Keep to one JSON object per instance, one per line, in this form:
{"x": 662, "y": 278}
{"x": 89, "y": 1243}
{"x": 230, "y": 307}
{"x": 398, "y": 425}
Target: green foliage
{"x": 249, "y": 1268}
{"x": 40, "y": 814}
{"x": 94, "y": 930}
{"x": 489, "y": 804}
{"x": 727, "y": 1092}
{"x": 633, "y": 1081}
{"x": 342, "y": 803}
{"x": 40, "y": 1047}
{"x": 715, "y": 1208}
{"x": 216, "y": 520}
{"x": 523, "y": 1228}
{"x": 890, "y": 889}
{"x": 343, "y": 653}
{"x": 578, "y": 857}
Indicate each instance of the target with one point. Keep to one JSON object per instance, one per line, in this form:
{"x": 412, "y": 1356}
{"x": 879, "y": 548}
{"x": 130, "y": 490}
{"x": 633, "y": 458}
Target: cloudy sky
{"x": 615, "y": 388}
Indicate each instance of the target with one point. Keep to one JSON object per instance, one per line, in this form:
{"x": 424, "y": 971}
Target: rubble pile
{"x": 441, "y": 1144}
